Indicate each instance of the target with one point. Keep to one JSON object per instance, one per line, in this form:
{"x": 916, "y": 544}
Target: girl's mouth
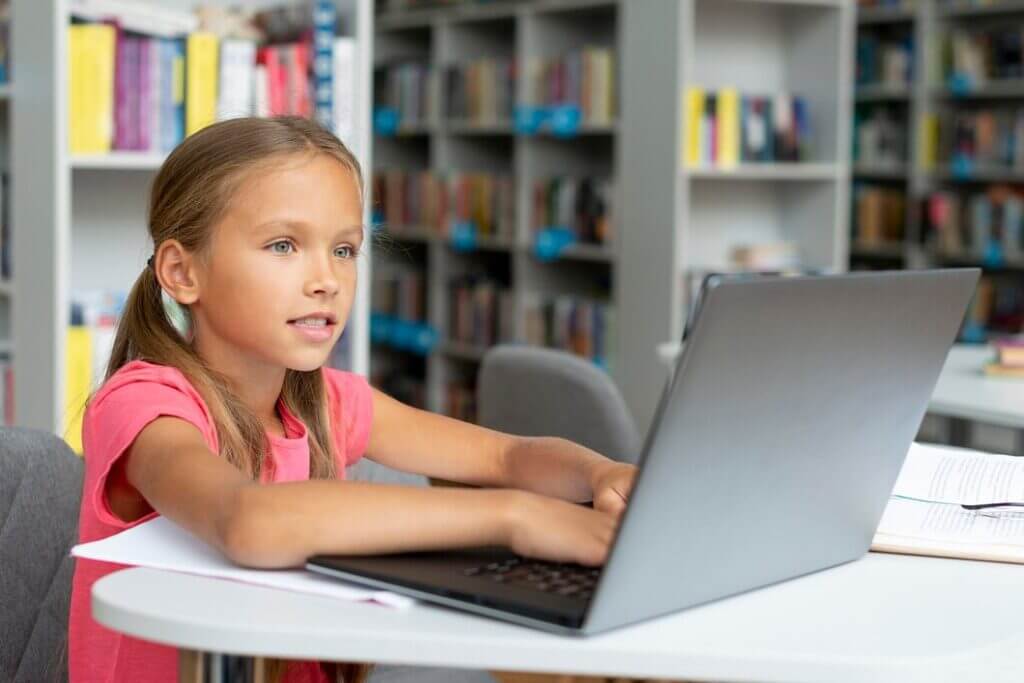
{"x": 315, "y": 328}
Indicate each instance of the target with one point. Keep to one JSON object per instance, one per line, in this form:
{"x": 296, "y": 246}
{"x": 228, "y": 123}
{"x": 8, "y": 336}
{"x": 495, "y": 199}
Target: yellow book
{"x": 77, "y": 383}
{"x": 91, "y": 49}
{"x": 694, "y": 125}
{"x": 201, "y": 69}
{"x": 929, "y": 142}
{"x": 728, "y": 127}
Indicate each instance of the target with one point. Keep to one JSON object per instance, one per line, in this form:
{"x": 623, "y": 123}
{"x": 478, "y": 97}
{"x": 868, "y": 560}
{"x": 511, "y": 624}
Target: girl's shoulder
{"x": 135, "y": 375}
{"x": 139, "y": 392}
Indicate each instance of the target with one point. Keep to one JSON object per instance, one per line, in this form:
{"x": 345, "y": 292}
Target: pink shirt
{"x": 136, "y": 395}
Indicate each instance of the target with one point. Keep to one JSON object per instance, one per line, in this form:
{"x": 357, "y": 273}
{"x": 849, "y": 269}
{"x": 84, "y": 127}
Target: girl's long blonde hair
{"x": 189, "y": 195}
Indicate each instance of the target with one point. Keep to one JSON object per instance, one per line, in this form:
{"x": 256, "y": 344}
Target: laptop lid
{"x": 775, "y": 448}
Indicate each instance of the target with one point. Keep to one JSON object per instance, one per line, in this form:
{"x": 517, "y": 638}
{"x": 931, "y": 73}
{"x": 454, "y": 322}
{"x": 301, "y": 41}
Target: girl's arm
{"x": 417, "y": 441}
{"x": 281, "y": 525}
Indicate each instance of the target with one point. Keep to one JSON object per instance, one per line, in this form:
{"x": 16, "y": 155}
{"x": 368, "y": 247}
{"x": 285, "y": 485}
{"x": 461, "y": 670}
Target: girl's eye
{"x": 344, "y": 251}
{"x": 281, "y": 247}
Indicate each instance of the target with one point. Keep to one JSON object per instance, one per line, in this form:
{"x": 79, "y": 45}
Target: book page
{"x": 950, "y": 522}
{"x": 944, "y": 474}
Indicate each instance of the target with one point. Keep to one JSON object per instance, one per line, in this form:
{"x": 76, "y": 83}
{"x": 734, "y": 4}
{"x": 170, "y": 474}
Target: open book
{"x": 924, "y": 515}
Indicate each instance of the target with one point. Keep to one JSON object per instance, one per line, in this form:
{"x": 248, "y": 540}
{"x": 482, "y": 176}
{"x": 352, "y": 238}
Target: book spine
{"x": 122, "y": 92}
{"x": 200, "y": 81}
{"x": 146, "y": 106}
{"x": 324, "y": 21}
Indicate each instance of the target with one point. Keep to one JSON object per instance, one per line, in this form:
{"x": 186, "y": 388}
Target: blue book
{"x": 172, "y": 93}
{"x": 325, "y": 16}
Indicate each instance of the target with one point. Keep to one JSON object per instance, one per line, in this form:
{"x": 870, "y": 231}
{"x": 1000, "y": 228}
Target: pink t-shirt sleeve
{"x": 137, "y": 395}
{"x": 350, "y": 405}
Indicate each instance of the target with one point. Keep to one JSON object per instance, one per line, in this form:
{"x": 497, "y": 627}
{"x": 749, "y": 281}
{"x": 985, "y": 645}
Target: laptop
{"x": 772, "y": 455}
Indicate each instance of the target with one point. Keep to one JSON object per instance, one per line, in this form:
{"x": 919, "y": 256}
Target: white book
{"x": 237, "y": 71}
{"x": 261, "y": 91}
{"x": 346, "y": 92}
{"x": 925, "y": 515}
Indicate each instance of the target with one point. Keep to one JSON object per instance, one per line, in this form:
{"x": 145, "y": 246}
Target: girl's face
{"x": 277, "y": 283}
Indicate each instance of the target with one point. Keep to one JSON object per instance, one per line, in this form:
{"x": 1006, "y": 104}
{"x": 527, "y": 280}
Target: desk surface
{"x": 964, "y": 391}
{"x": 882, "y": 618}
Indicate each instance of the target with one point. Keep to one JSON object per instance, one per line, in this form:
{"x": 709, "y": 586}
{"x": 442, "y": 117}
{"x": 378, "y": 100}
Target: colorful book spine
{"x": 145, "y": 103}
{"x": 91, "y": 52}
{"x": 200, "y": 81}
{"x": 694, "y": 126}
{"x": 325, "y": 16}
{"x": 172, "y": 93}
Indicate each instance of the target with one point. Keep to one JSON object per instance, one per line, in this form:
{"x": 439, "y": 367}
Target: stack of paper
{"x": 925, "y": 514}
{"x": 161, "y": 544}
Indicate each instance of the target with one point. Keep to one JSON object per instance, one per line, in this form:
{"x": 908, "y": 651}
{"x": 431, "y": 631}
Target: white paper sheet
{"x": 943, "y": 474}
{"x": 161, "y": 544}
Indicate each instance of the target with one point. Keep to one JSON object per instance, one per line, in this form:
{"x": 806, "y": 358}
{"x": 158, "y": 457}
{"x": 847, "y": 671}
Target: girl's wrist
{"x": 509, "y": 513}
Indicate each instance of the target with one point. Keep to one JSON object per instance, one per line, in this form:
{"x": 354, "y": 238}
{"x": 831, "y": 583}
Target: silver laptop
{"x": 772, "y": 455}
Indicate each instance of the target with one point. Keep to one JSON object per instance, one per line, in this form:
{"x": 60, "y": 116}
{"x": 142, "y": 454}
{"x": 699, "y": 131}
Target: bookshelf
{"x": 960, "y": 195}
{"x": 669, "y": 219}
{"x": 79, "y": 220}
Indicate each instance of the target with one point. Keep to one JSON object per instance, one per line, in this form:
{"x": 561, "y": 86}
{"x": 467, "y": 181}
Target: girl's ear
{"x": 175, "y": 271}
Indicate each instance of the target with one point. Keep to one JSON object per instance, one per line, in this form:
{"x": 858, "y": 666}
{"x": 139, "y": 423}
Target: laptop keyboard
{"x": 570, "y": 580}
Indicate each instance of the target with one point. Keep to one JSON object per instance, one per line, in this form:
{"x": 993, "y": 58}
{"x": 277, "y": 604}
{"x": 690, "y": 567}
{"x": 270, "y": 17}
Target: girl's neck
{"x": 258, "y": 385}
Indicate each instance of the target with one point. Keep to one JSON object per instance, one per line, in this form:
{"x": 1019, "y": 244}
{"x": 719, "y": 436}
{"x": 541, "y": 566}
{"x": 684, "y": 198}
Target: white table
{"x": 963, "y": 394}
{"x": 882, "y": 618}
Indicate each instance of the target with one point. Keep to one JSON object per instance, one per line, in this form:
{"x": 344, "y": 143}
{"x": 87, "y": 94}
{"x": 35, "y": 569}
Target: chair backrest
{"x": 40, "y": 490}
{"x": 532, "y": 391}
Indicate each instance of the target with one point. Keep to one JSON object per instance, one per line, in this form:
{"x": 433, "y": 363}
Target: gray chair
{"x": 532, "y": 391}
{"x": 40, "y": 489}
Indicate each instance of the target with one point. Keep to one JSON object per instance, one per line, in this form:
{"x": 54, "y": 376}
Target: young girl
{"x": 257, "y": 229}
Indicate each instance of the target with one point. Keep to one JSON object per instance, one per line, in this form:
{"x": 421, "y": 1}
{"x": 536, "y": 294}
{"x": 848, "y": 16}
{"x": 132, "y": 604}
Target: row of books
{"x": 407, "y": 89}
{"x": 584, "y": 79}
{"x": 988, "y": 225}
{"x": 872, "y": 4}
{"x": 481, "y": 91}
{"x": 399, "y": 292}
{"x": 997, "y": 308}
{"x": 724, "y": 127}
{"x": 581, "y": 326}
{"x": 481, "y": 311}
{"x": 879, "y": 135}
{"x": 133, "y": 91}
{"x": 581, "y": 205}
{"x": 440, "y": 202}
{"x": 884, "y": 60}
{"x": 972, "y": 56}
{"x": 981, "y": 138}
{"x": 93, "y": 324}
{"x": 879, "y": 215}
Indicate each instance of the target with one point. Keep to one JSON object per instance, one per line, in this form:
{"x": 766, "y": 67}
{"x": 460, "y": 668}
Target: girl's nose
{"x": 321, "y": 280}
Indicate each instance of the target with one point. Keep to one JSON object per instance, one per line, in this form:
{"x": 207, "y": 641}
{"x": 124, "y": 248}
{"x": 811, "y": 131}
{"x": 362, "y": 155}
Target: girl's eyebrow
{"x": 302, "y": 226}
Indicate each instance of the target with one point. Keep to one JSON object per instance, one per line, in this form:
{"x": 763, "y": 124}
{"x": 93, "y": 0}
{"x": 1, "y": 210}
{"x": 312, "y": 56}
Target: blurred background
{"x": 560, "y": 173}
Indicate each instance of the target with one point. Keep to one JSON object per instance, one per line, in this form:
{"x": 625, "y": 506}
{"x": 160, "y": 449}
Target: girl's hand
{"x": 553, "y": 529}
{"x": 612, "y": 482}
